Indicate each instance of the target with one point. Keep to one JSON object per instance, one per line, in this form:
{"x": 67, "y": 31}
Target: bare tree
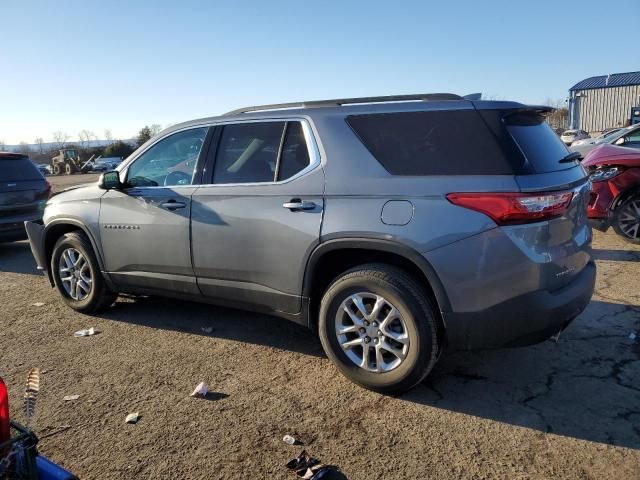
{"x": 85, "y": 137}
{"x": 558, "y": 119}
{"x": 108, "y": 135}
{"x": 60, "y": 138}
{"x": 155, "y": 129}
{"x": 23, "y": 147}
{"x": 39, "y": 142}
{"x": 2, "y": 145}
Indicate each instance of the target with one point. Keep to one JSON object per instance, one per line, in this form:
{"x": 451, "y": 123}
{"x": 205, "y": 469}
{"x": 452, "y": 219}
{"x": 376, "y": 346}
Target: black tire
{"x": 68, "y": 168}
{"x": 410, "y": 299}
{"x": 100, "y": 296}
{"x": 56, "y": 169}
{"x": 623, "y": 222}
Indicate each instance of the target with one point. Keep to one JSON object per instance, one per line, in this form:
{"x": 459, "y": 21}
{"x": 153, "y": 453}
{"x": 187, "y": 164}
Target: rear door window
{"x": 260, "y": 152}
{"x": 18, "y": 169}
{"x": 538, "y": 143}
{"x": 248, "y": 152}
{"x": 450, "y": 142}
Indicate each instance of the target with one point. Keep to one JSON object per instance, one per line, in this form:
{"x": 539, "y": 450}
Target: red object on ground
{"x": 5, "y": 433}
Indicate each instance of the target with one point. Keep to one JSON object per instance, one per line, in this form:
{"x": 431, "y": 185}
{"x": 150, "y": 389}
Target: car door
{"x": 258, "y": 219}
{"x": 144, "y": 227}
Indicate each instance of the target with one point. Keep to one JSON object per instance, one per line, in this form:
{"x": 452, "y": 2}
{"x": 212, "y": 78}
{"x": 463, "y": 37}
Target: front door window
{"x": 170, "y": 162}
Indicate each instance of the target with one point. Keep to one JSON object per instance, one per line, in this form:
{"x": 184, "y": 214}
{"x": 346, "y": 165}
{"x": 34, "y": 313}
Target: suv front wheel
{"x": 378, "y": 326}
{"x": 77, "y": 275}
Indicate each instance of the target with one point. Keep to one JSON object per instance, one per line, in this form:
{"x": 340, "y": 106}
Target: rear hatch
{"x": 560, "y": 244}
{"x": 23, "y": 189}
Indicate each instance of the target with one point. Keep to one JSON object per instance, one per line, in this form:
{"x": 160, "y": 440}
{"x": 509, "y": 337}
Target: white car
{"x": 570, "y": 136}
{"x": 624, "y": 137}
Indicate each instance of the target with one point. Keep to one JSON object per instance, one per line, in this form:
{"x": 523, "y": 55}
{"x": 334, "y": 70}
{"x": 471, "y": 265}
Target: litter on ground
{"x": 200, "y": 391}
{"x": 132, "y": 418}
{"x": 289, "y": 440}
{"x": 87, "y": 332}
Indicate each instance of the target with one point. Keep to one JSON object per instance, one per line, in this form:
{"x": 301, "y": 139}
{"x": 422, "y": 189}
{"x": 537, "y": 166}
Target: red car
{"x": 615, "y": 196}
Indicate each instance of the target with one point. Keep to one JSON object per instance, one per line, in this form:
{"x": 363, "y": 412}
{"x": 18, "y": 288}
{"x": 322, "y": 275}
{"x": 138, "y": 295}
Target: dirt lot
{"x": 566, "y": 410}
{"x": 61, "y": 182}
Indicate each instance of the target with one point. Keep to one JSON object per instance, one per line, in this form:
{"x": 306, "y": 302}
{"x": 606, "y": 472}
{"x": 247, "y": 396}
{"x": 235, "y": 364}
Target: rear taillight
{"x": 4, "y": 414}
{"x": 514, "y": 208}
{"x": 46, "y": 193}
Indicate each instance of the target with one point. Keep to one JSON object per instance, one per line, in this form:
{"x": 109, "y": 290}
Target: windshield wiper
{"x": 571, "y": 157}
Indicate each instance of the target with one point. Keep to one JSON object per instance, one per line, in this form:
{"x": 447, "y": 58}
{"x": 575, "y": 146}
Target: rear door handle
{"x": 297, "y": 204}
{"x": 172, "y": 205}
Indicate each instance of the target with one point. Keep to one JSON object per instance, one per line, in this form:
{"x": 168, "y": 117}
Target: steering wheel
{"x": 177, "y": 178}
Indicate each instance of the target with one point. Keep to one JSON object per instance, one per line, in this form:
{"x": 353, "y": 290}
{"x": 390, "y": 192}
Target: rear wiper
{"x": 571, "y": 157}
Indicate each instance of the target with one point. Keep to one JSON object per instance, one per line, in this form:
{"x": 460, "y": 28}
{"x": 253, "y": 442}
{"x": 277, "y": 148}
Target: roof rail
{"x": 422, "y": 97}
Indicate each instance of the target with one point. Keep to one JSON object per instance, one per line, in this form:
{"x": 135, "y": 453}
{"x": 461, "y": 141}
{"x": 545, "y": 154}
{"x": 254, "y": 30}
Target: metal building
{"x": 605, "y": 101}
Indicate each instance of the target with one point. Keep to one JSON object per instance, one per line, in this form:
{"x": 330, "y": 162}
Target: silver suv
{"x": 393, "y": 226}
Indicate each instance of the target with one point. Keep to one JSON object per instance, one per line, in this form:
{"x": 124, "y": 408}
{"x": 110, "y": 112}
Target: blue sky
{"x": 119, "y": 65}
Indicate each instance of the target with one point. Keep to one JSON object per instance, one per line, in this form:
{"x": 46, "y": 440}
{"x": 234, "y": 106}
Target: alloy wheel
{"x": 75, "y": 274}
{"x": 629, "y": 219}
{"x": 372, "y": 332}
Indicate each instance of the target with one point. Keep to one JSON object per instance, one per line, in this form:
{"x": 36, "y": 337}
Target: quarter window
{"x": 170, "y": 162}
{"x": 450, "y": 142}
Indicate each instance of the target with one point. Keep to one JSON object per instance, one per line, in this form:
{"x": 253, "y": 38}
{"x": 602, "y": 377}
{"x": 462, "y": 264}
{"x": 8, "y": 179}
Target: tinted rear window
{"x": 539, "y": 144}
{"x": 451, "y": 142}
{"x": 19, "y": 169}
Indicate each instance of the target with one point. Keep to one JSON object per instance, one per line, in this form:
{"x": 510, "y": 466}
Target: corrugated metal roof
{"x": 605, "y": 81}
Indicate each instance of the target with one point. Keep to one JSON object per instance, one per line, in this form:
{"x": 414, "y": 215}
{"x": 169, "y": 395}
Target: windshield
{"x": 609, "y": 134}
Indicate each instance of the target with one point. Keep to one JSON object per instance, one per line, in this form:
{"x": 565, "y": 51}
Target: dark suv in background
{"x": 394, "y": 226}
{"x": 23, "y": 194}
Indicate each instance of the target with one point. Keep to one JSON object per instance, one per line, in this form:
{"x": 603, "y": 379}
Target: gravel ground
{"x": 61, "y": 182}
{"x": 566, "y": 410}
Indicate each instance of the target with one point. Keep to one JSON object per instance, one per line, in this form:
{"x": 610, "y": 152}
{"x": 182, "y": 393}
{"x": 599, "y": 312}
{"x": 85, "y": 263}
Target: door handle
{"x": 297, "y": 204}
{"x": 172, "y": 205}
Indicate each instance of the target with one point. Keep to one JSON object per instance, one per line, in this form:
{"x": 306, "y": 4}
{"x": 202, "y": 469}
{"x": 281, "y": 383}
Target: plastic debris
{"x": 38, "y": 304}
{"x": 132, "y": 418}
{"x": 307, "y": 467}
{"x": 87, "y": 332}
{"x": 633, "y": 336}
{"x": 207, "y": 330}
{"x": 289, "y": 440}
{"x": 70, "y": 398}
{"x": 200, "y": 391}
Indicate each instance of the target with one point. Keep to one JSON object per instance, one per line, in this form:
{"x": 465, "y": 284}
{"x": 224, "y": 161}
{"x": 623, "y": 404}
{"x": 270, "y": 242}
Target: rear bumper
{"x": 35, "y": 233}
{"x": 524, "y": 320}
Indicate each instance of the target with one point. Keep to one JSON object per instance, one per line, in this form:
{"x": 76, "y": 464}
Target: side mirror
{"x": 110, "y": 181}
{"x": 619, "y": 141}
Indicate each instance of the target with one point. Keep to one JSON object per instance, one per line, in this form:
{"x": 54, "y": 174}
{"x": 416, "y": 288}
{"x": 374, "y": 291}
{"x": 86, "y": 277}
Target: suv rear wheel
{"x": 626, "y": 219}
{"x": 378, "y": 326}
{"x": 77, "y": 276}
